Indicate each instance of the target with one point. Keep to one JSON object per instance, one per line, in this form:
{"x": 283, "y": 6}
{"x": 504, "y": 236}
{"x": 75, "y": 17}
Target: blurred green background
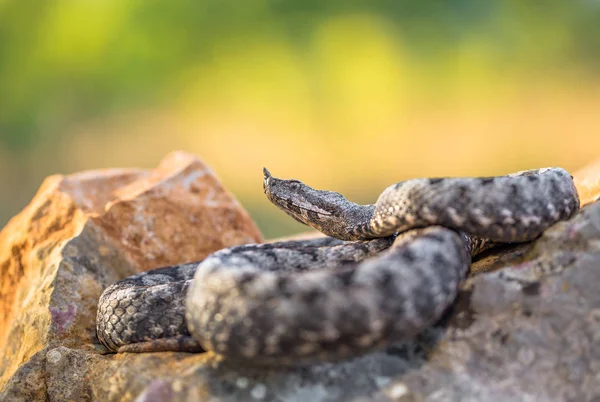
{"x": 346, "y": 95}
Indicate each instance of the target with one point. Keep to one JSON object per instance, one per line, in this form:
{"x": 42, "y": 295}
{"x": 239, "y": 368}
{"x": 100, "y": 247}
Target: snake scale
{"x": 385, "y": 272}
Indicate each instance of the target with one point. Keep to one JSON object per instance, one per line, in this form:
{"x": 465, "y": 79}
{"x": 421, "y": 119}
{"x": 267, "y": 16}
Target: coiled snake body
{"x": 387, "y": 271}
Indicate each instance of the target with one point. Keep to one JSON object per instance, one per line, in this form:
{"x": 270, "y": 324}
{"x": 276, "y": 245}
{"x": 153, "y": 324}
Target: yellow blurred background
{"x": 345, "y": 95}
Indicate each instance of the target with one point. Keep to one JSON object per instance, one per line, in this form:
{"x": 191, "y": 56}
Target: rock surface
{"x": 526, "y": 327}
{"x": 84, "y": 231}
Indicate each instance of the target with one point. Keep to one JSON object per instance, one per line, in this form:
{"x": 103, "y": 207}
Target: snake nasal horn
{"x": 267, "y": 177}
{"x": 266, "y": 173}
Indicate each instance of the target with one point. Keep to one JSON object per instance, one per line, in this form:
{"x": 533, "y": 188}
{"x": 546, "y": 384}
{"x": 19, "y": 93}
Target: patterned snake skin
{"x": 325, "y": 299}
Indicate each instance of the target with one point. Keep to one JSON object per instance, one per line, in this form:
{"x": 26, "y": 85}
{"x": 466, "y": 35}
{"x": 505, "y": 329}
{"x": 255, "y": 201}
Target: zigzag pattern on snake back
{"x": 324, "y": 299}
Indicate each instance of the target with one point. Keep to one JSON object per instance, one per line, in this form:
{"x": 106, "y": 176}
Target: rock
{"x": 530, "y": 331}
{"x": 526, "y": 326}
{"x": 84, "y": 231}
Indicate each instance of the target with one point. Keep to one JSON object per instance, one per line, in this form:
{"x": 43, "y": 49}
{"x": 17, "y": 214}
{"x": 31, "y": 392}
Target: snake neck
{"x": 362, "y": 224}
{"x": 355, "y": 222}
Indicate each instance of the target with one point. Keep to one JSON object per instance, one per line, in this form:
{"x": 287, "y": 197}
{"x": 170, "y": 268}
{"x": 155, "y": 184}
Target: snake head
{"x": 326, "y": 211}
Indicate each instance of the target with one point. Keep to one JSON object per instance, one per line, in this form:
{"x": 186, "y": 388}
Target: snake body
{"x": 387, "y": 271}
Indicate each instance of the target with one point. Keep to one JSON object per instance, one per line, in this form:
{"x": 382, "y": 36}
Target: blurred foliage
{"x": 306, "y": 85}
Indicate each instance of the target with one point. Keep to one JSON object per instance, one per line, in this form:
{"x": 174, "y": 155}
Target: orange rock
{"x": 587, "y": 181}
{"x": 84, "y": 231}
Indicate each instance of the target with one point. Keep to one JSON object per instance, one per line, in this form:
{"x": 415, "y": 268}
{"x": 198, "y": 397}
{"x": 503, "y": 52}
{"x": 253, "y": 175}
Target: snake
{"x": 382, "y": 273}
